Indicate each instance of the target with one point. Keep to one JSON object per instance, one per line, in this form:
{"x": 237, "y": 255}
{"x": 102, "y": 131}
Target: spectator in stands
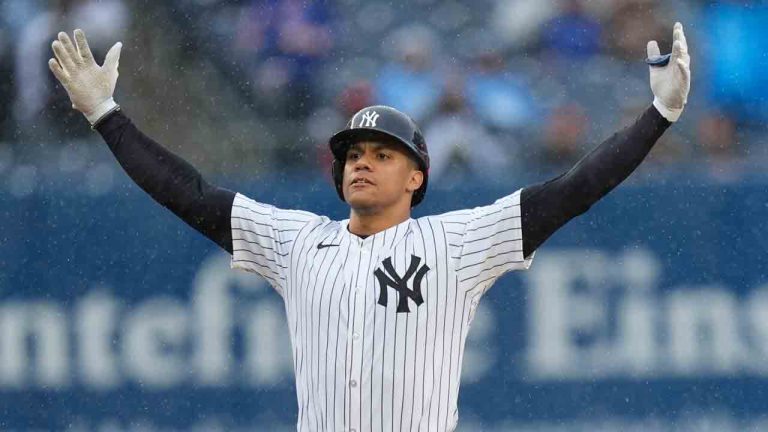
{"x": 288, "y": 42}
{"x": 517, "y": 23}
{"x": 499, "y": 96}
{"x": 572, "y": 34}
{"x": 409, "y": 81}
{"x": 563, "y": 138}
{"x": 631, "y": 25}
{"x": 717, "y": 136}
{"x": 460, "y": 145}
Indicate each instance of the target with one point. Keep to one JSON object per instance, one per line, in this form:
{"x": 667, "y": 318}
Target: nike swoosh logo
{"x": 320, "y": 245}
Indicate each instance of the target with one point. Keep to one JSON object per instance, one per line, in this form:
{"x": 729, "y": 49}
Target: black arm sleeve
{"x": 548, "y": 206}
{"x": 170, "y": 180}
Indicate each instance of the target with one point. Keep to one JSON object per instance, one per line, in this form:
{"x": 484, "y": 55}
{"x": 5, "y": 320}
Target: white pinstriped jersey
{"x": 378, "y": 325}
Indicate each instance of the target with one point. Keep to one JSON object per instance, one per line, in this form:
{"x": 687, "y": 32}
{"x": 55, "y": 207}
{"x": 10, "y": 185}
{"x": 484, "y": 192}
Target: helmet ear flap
{"x": 337, "y": 172}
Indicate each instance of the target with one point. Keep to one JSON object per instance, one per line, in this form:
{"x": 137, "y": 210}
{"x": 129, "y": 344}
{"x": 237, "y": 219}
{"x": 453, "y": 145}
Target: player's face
{"x": 378, "y": 175}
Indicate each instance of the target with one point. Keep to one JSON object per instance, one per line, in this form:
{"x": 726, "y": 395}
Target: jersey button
{"x": 353, "y": 383}
{"x": 355, "y": 335}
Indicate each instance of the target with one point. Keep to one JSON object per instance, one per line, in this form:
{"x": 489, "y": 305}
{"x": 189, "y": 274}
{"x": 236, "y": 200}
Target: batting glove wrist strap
{"x": 101, "y": 110}
{"x": 89, "y": 86}
{"x": 671, "y": 82}
{"x": 671, "y": 114}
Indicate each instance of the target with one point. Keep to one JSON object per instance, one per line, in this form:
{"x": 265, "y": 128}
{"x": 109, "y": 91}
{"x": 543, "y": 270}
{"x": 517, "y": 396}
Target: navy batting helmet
{"x": 377, "y": 122}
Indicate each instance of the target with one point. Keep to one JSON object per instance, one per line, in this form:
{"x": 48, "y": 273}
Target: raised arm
{"x": 548, "y": 206}
{"x": 167, "y": 178}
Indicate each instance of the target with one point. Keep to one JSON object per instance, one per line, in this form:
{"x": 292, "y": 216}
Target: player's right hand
{"x": 89, "y": 86}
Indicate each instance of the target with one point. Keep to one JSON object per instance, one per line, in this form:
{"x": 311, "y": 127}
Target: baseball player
{"x": 378, "y": 305}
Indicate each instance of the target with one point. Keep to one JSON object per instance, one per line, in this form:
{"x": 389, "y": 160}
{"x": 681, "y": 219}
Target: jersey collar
{"x": 387, "y": 238}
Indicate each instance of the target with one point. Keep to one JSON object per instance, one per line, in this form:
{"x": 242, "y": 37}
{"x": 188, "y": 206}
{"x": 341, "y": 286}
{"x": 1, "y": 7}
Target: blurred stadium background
{"x": 649, "y": 313}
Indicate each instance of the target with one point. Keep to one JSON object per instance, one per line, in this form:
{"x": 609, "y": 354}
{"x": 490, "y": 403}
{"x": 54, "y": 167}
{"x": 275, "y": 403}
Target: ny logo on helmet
{"x": 369, "y": 119}
{"x": 400, "y": 283}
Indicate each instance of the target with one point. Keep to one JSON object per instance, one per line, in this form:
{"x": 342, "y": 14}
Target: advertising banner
{"x": 649, "y": 312}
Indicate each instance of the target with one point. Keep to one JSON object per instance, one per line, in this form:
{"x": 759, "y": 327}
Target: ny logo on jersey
{"x": 400, "y": 284}
{"x": 369, "y": 119}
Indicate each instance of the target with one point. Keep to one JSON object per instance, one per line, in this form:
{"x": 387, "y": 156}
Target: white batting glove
{"x": 671, "y": 83}
{"x": 89, "y": 86}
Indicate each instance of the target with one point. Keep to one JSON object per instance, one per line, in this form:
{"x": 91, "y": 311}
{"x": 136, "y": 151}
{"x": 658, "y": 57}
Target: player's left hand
{"x": 89, "y": 86}
{"x": 672, "y": 82}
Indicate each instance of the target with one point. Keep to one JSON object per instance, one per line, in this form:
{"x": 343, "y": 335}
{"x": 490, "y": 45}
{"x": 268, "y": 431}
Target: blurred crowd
{"x": 498, "y": 86}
